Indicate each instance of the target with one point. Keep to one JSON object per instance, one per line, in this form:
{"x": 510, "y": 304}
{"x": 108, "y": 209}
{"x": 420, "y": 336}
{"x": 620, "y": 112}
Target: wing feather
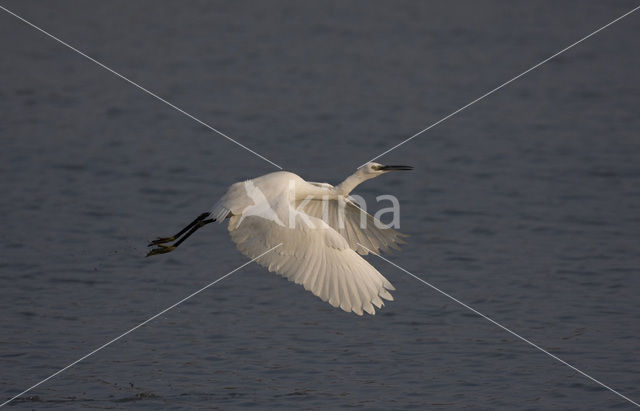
{"x": 318, "y": 258}
{"x": 369, "y": 234}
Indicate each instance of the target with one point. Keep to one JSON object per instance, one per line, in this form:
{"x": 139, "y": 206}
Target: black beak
{"x": 390, "y": 168}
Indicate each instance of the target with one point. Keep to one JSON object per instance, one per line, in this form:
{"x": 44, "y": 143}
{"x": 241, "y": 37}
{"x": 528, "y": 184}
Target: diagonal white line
{"x": 138, "y": 326}
{"x": 140, "y": 87}
{"x": 503, "y": 84}
{"x": 555, "y": 357}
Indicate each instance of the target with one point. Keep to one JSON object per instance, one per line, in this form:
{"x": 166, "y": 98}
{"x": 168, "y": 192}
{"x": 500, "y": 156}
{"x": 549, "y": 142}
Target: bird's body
{"x": 318, "y": 231}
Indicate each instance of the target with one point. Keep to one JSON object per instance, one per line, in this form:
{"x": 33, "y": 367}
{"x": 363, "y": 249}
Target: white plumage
{"x": 319, "y": 229}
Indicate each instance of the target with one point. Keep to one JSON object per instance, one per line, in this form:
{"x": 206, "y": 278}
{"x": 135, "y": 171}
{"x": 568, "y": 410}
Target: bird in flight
{"x": 317, "y": 233}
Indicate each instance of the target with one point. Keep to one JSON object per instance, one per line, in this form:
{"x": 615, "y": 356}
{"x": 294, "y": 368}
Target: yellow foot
{"x": 162, "y": 249}
{"x": 161, "y": 240}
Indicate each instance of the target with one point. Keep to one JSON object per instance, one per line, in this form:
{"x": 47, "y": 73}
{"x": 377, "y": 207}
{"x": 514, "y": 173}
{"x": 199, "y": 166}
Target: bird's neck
{"x": 352, "y": 182}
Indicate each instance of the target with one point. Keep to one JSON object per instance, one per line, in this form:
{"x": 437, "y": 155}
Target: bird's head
{"x": 376, "y": 169}
{"x": 364, "y": 173}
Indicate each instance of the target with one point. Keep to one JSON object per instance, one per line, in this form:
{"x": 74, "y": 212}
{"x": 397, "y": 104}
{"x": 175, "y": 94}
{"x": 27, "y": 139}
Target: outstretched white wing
{"x": 316, "y": 257}
{"x": 355, "y": 225}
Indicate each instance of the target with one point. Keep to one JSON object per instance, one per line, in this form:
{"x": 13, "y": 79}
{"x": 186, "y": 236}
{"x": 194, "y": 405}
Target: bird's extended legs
{"x": 195, "y": 225}
{"x": 162, "y": 240}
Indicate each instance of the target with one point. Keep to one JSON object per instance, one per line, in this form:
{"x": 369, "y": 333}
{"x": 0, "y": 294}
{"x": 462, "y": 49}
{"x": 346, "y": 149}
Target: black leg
{"x": 162, "y": 240}
{"x": 195, "y": 226}
{"x": 199, "y": 225}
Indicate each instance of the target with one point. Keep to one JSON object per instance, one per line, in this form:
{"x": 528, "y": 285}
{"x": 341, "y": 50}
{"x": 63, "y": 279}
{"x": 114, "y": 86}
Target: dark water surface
{"x": 525, "y": 206}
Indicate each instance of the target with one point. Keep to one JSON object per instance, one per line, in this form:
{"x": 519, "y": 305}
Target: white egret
{"x": 320, "y": 229}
